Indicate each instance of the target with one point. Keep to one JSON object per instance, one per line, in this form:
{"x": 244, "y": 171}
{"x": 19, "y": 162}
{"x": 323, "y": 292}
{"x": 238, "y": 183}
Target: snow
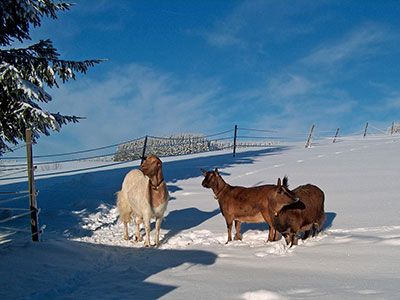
{"x": 82, "y": 254}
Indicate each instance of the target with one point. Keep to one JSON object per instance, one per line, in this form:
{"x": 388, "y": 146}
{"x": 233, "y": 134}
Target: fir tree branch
{"x": 16, "y": 16}
{"x": 25, "y": 71}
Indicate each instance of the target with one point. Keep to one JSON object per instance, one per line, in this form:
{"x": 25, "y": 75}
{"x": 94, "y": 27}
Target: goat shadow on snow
{"x": 183, "y": 219}
{"x": 118, "y": 272}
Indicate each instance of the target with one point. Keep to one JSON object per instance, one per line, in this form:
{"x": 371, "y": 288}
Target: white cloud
{"x": 356, "y": 45}
{"x": 226, "y": 33}
{"x": 390, "y": 99}
{"x": 289, "y": 86}
{"x": 254, "y": 25}
{"x": 393, "y": 103}
{"x": 134, "y": 101}
{"x": 281, "y": 88}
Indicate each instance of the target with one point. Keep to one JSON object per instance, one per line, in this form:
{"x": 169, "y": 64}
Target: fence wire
{"x": 257, "y": 130}
{"x": 13, "y": 199}
{"x": 225, "y": 138}
{"x": 13, "y": 173}
{"x": 13, "y": 193}
{"x": 15, "y": 229}
{"x": 15, "y": 148}
{"x": 75, "y": 152}
{"x": 16, "y": 216}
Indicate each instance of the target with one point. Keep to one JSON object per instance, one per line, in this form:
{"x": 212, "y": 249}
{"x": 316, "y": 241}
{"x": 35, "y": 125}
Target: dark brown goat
{"x": 304, "y": 215}
{"x": 241, "y": 204}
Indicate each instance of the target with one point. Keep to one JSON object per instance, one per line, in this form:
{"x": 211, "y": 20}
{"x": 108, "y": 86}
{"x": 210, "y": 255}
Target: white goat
{"x": 144, "y": 195}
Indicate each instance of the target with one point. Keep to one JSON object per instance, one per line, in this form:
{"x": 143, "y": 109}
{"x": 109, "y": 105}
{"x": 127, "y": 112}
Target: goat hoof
{"x": 126, "y": 238}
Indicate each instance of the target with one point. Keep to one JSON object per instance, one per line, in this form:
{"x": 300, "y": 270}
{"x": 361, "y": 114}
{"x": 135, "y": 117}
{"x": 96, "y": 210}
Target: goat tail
{"x": 124, "y": 208}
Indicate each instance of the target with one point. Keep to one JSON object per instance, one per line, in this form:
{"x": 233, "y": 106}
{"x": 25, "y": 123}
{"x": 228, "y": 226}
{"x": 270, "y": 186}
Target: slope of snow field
{"x": 82, "y": 254}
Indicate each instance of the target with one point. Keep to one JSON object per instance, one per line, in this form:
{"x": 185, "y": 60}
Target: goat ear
{"x": 216, "y": 171}
{"x": 285, "y": 181}
{"x": 204, "y": 172}
{"x": 279, "y": 184}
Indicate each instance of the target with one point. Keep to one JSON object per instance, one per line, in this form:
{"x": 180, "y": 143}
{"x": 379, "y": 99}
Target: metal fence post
{"x": 337, "y": 132}
{"x": 309, "y": 136}
{"x": 365, "y": 131}
{"x": 234, "y": 141}
{"x": 144, "y": 150}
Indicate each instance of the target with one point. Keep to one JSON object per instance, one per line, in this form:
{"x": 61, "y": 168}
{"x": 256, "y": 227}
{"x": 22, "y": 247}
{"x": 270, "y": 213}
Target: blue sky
{"x": 203, "y": 66}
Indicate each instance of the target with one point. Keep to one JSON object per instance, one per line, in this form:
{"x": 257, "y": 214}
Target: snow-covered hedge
{"x": 396, "y": 128}
{"x": 175, "y": 145}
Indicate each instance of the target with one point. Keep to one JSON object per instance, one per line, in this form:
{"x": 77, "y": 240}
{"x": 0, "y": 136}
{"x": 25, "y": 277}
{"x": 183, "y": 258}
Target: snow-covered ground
{"x": 82, "y": 254}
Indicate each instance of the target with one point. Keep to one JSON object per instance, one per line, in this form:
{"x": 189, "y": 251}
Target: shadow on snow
{"x": 77, "y": 270}
{"x": 183, "y": 219}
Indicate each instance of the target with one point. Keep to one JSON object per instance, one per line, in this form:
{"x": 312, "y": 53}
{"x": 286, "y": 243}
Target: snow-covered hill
{"x": 82, "y": 254}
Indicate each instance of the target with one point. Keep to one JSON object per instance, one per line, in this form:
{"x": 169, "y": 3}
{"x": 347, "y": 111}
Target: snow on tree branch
{"x": 26, "y": 72}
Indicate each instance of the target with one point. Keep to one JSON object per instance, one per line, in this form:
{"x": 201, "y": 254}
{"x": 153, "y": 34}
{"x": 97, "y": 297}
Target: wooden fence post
{"x": 365, "y": 131}
{"x": 144, "y": 150}
{"x": 309, "y": 137}
{"x": 234, "y": 141}
{"x": 337, "y": 132}
{"x": 31, "y": 183}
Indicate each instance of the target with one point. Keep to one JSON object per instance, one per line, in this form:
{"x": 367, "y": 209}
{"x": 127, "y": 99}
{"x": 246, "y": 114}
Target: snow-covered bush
{"x": 176, "y": 145}
{"x": 394, "y": 129}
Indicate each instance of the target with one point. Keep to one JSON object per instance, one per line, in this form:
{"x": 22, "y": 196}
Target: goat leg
{"x": 276, "y": 235}
{"x": 237, "y": 228}
{"x": 126, "y": 236}
{"x": 147, "y": 228}
{"x": 307, "y": 233}
{"x": 291, "y": 239}
{"x": 288, "y": 238}
{"x": 138, "y": 237}
{"x": 272, "y": 234}
{"x": 158, "y": 226}
{"x": 294, "y": 239}
{"x": 316, "y": 228}
{"x": 229, "y": 225}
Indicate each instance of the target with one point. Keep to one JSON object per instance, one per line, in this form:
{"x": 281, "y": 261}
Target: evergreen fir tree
{"x": 25, "y": 72}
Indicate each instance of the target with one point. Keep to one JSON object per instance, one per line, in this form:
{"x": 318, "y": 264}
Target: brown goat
{"x": 241, "y": 204}
{"x": 144, "y": 195}
{"x": 304, "y": 215}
